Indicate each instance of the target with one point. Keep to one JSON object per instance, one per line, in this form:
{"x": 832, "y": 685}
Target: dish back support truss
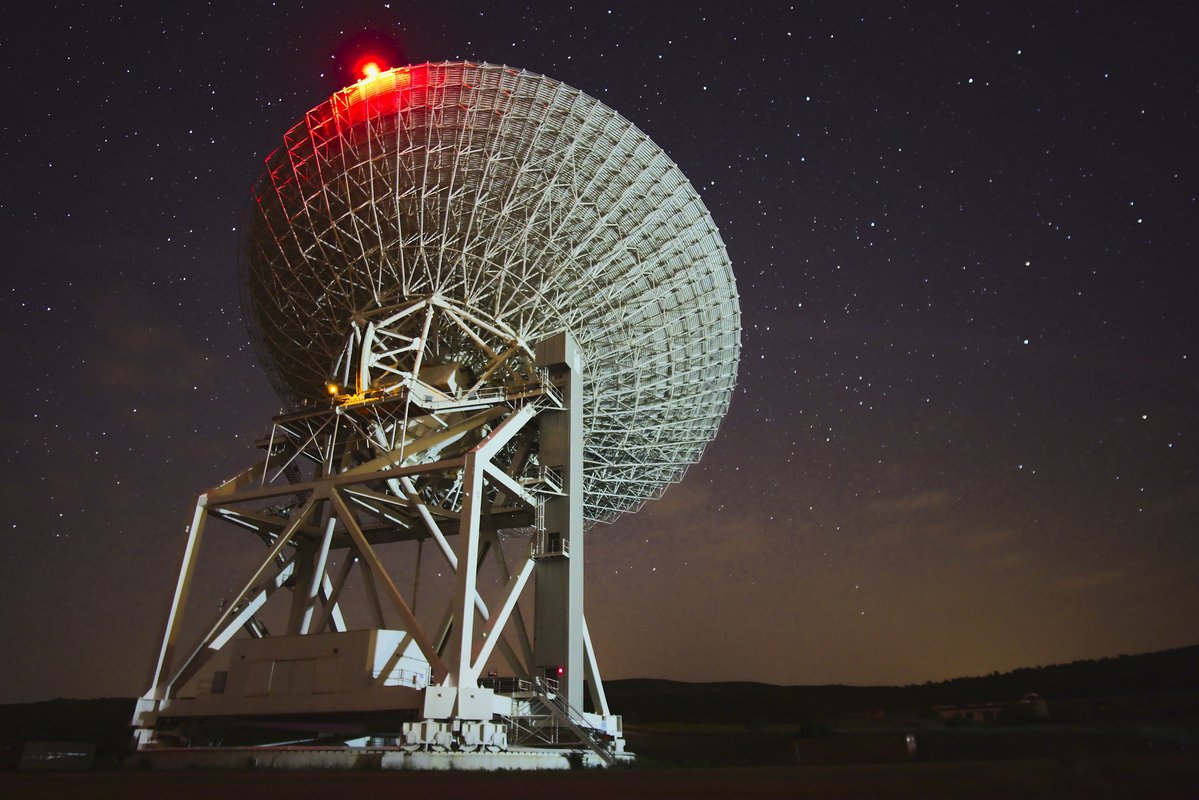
{"x": 522, "y": 197}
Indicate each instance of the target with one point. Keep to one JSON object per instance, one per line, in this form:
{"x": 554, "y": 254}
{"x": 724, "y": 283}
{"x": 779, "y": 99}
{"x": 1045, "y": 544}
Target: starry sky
{"x": 965, "y": 236}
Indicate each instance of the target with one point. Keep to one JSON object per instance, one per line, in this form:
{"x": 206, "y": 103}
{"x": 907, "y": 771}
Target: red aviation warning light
{"x": 354, "y": 53}
{"x": 369, "y": 67}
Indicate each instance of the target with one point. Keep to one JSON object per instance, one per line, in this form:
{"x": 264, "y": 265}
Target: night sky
{"x": 964, "y": 437}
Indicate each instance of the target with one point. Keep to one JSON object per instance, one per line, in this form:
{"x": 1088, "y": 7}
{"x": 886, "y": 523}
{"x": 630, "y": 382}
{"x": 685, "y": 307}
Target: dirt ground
{"x": 1099, "y": 778}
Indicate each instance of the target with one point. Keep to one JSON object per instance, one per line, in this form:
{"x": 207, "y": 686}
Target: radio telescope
{"x": 496, "y": 310}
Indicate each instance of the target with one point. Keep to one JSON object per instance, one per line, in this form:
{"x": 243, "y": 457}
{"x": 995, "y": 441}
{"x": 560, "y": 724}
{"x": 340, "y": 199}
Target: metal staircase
{"x": 550, "y": 717}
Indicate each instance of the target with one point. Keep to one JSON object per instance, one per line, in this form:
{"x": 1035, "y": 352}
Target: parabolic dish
{"x": 530, "y": 202}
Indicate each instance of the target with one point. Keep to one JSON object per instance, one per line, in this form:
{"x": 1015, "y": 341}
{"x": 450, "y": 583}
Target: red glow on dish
{"x": 391, "y": 91}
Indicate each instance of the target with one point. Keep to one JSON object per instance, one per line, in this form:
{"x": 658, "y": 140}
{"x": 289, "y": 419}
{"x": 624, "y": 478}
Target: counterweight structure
{"x": 500, "y": 314}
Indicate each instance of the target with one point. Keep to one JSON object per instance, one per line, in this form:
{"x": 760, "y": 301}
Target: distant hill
{"x": 105, "y": 721}
{"x": 1164, "y": 671}
{"x": 651, "y": 700}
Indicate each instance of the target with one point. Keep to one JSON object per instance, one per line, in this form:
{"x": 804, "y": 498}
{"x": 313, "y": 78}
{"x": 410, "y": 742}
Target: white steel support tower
{"x": 500, "y": 315}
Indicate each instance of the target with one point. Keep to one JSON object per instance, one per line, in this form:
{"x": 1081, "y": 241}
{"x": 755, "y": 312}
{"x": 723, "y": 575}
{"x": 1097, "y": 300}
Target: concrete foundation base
{"x": 222, "y": 758}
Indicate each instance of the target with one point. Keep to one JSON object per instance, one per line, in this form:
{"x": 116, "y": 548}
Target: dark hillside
{"x": 650, "y": 700}
{"x": 1170, "y": 674}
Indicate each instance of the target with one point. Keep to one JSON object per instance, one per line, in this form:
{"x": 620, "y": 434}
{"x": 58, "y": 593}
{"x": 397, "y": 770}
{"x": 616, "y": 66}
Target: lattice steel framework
{"x": 528, "y": 204}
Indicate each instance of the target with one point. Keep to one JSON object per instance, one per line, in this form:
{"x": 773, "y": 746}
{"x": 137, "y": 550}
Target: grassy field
{"x": 1109, "y": 778}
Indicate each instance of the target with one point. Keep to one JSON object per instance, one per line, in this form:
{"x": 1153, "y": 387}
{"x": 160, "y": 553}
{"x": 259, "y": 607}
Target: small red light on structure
{"x": 371, "y": 69}
{"x": 560, "y": 670}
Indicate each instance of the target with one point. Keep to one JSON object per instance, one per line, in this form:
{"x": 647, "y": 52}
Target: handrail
{"x": 562, "y": 708}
